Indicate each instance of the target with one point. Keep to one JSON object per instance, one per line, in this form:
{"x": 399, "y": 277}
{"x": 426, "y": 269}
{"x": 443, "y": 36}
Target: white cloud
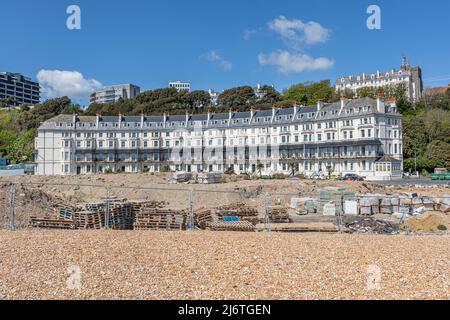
{"x": 287, "y": 62}
{"x": 213, "y": 56}
{"x": 296, "y": 32}
{"x": 249, "y": 33}
{"x": 57, "y": 83}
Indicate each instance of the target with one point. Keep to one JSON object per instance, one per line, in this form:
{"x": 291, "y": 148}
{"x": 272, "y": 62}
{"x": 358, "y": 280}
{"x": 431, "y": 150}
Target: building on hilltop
{"x": 362, "y": 136}
{"x": 410, "y": 77}
{"x": 21, "y": 90}
{"x": 180, "y": 86}
{"x": 111, "y": 94}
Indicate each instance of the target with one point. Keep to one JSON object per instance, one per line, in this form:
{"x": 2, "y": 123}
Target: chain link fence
{"x": 194, "y": 206}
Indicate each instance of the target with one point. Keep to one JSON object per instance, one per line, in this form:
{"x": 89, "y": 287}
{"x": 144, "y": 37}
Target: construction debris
{"x": 369, "y": 225}
{"x": 180, "y": 177}
{"x": 303, "y": 227}
{"x": 279, "y": 215}
{"x": 209, "y": 177}
{"x": 202, "y": 178}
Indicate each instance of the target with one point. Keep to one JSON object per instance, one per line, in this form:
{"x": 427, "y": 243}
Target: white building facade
{"x": 351, "y": 136}
{"x": 111, "y": 94}
{"x": 409, "y": 77}
{"x": 180, "y": 86}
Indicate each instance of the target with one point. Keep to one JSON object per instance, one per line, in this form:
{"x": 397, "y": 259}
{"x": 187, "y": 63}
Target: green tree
{"x": 237, "y": 98}
{"x": 310, "y": 93}
{"x": 271, "y": 95}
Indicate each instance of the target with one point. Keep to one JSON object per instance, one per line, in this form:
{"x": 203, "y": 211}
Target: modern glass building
{"x": 21, "y": 89}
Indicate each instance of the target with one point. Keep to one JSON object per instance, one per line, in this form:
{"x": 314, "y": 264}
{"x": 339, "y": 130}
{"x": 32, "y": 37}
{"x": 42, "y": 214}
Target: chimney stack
{"x": 319, "y": 105}
{"x": 380, "y": 103}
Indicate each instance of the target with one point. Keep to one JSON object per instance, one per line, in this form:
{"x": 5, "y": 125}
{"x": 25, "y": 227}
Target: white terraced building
{"x": 409, "y": 77}
{"x": 361, "y": 136}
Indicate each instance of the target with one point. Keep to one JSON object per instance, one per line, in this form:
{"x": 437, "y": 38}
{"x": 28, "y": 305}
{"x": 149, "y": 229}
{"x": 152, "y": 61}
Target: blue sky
{"x": 219, "y": 44}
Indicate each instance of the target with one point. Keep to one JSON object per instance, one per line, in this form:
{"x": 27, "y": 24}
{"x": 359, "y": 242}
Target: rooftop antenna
{"x": 405, "y": 63}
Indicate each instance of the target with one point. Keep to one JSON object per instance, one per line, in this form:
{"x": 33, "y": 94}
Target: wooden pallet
{"x": 239, "y": 210}
{"x": 279, "y": 215}
{"x": 52, "y": 223}
{"x": 241, "y": 226}
{"x": 201, "y": 217}
{"x": 160, "y": 219}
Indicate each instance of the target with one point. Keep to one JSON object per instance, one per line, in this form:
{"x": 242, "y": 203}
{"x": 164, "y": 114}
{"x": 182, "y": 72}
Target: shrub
{"x": 108, "y": 171}
{"x": 279, "y": 176}
{"x": 441, "y": 227}
{"x": 165, "y": 169}
{"x": 230, "y": 170}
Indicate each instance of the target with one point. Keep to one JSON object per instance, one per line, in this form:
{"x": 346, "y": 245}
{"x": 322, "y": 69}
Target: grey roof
{"x": 282, "y": 116}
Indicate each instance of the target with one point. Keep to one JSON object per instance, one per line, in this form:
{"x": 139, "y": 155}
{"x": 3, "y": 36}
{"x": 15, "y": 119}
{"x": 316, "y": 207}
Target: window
{"x": 363, "y": 133}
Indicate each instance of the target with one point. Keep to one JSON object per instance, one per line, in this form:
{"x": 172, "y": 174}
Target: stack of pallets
{"x": 89, "y": 220}
{"x": 201, "y": 217}
{"x": 65, "y": 211}
{"x": 160, "y": 219}
{"x": 52, "y": 223}
{"x": 121, "y": 216}
{"x": 138, "y": 204}
{"x": 279, "y": 215}
{"x": 242, "y": 226}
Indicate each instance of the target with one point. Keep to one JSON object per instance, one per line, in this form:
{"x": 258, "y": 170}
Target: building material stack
{"x": 389, "y": 205}
{"x": 201, "y": 217}
{"x": 241, "y": 226}
{"x": 369, "y": 205}
{"x": 180, "y": 177}
{"x": 244, "y": 212}
{"x": 160, "y": 219}
{"x": 279, "y": 215}
{"x": 209, "y": 178}
{"x": 52, "y": 223}
{"x": 89, "y": 220}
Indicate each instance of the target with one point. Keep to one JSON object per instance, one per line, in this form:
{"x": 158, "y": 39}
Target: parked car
{"x": 352, "y": 177}
{"x": 317, "y": 176}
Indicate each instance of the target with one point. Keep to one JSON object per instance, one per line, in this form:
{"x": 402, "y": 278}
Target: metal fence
{"x": 189, "y": 198}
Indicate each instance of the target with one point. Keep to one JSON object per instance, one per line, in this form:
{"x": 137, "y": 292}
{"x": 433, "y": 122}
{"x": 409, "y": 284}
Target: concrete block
{"x": 351, "y": 208}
